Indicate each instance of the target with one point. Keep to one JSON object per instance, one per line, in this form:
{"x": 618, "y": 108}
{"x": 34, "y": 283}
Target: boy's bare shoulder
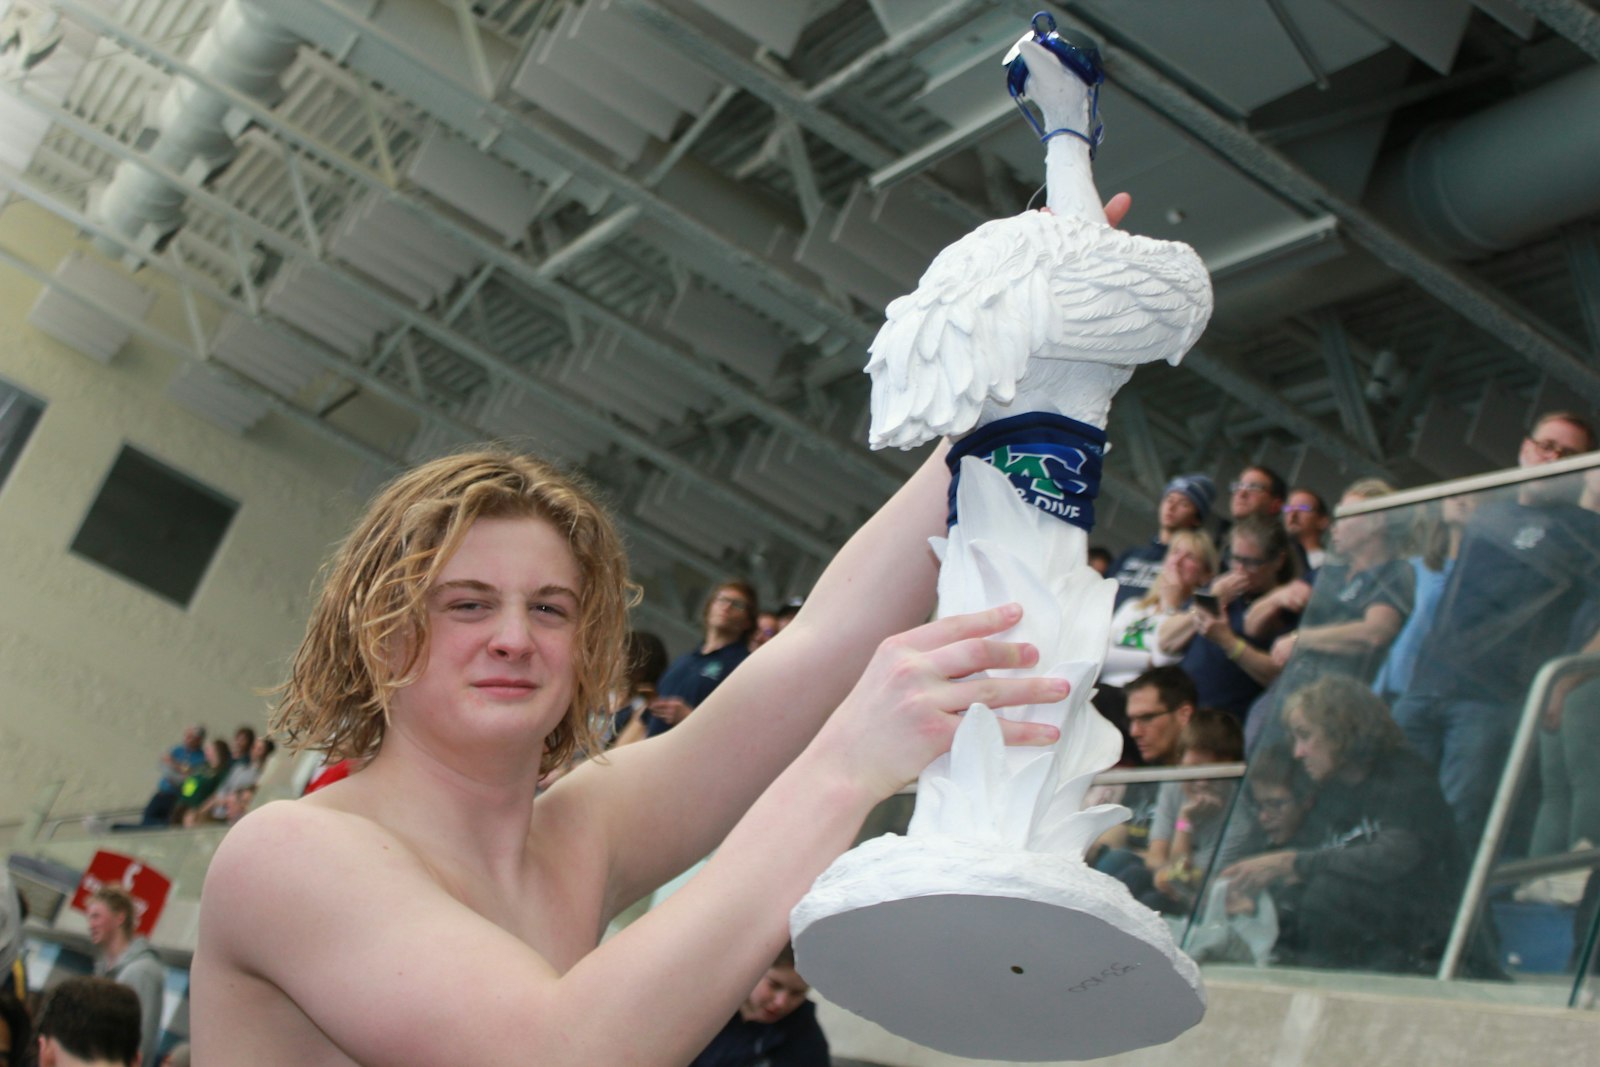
{"x": 288, "y": 853}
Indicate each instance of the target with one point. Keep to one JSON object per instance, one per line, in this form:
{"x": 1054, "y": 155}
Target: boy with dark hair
{"x": 776, "y": 1026}
{"x": 89, "y": 1022}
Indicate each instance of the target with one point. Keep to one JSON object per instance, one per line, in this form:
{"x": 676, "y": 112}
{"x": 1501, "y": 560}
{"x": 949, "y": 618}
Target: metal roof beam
{"x": 535, "y": 277}
{"x": 598, "y": 421}
{"x": 786, "y": 98}
{"x": 1572, "y": 19}
{"x": 514, "y": 138}
{"x": 657, "y": 541}
{"x": 1256, "y": 394}
{"x": 1466, "y": 296}
{"x": 1347, "y": 389}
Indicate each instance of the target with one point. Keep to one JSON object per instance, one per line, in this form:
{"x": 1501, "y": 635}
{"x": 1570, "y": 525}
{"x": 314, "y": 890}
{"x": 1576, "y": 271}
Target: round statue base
{"x": 993, "y": 953}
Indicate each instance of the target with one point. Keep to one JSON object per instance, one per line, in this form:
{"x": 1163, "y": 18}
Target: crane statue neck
{"x": 1069, "y": 179}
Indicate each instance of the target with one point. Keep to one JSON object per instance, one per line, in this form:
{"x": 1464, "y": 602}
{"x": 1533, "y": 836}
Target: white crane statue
{"x": 982, "y": 932}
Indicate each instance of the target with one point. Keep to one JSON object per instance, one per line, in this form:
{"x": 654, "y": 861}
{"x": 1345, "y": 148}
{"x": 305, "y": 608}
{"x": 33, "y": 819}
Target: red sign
{"x": 148, "y": 887}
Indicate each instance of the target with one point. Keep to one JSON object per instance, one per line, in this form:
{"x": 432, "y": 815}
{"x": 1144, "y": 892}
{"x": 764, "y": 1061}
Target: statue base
{"x": 993, "y": 953}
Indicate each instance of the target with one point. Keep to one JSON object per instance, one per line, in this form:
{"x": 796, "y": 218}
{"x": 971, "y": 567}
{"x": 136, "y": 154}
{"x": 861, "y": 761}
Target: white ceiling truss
{"x": 652, "y": 238}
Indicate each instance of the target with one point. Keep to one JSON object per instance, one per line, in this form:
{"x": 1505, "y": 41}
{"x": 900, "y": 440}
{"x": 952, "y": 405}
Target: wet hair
{"x": 373, "y": 608}
{"x": 120, "y": 901}
{"x": 743, "y": 587}
{"x": 1353, "y": 718}
{"x": 1172, "y": 684}
{"x": 1273, "y": 540}
{"x": 785, "y": 956}
{"x": 1213, "y": 732}
{"x": 1571, "y": 417}
{"x": 93, "y": 1019}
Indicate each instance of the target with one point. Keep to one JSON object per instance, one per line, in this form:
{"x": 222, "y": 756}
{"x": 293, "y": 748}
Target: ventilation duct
{"x": 193, "y": 129}
{"x": 1492, "y": 181}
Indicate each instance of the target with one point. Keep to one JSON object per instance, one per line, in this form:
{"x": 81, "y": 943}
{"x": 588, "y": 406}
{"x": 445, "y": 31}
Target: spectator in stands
{"x": 789, "y": 610}
{"x": 127, "y": 958}
{"x": 1185, "y": 503}
{"x": 16, "y": 1030}
{"x": 229, "y": 801}
{"x": 91, "y": 1022}
{"x": 176, "y": 766}
{"x": 198, "y": 788}
{"x": 776, "y": 1026}
{"x": 728, "y": 617}
{"x": 1361, "y": 600}
{"x": 1160, "y": 703}
{"x": 647, "y": 659}
{"x": 1436, "y": 542}
{"x": 1526, "y": 566}
{"x": 1280, "y": 793}
{"x": 1305, "y": 516}
{"x": 1375, "y": 885}
{"x": 766, "y": 629}
{"x": 1257, "y": 491}
{"x": 1229, "y": 661}
{"x": 244, "y": 739}
{"x": 13, "y": 910}
{"x": 1191, "y": 563}
{"x": 1190, "y": 818}
{"x": 178, "y": 1057}
{"x": 1569, "y": 741}
{"x": 1100, "y": 560}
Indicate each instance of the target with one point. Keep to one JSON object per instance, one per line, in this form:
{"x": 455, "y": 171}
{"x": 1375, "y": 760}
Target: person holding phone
{"x": 1230, "y": 663}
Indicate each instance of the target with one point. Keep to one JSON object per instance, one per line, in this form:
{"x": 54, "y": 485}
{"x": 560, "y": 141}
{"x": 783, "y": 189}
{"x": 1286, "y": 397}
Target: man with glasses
{"x": 1160, "y": 703}
{"x": 1527, "y": 562}
{"x": 729, "y": 618}
{"x": 1257, "y": 491}
{"x": 1305, "y": 516}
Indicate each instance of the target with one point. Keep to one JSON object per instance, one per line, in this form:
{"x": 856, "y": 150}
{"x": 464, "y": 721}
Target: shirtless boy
{"x": 429, "y": 909}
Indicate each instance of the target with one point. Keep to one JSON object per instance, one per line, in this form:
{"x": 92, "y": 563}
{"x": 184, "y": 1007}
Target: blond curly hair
{"x": 374, "y": 590}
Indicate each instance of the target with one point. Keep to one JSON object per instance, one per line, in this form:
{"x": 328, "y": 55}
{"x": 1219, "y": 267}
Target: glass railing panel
{"x": 1378, "y": 752}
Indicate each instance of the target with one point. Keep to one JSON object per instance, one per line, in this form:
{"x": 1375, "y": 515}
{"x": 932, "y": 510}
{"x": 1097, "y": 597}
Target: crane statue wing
{"x": 1032, "y": 286}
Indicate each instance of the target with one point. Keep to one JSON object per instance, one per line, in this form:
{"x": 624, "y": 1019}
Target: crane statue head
{"x": 1033, "y": 69}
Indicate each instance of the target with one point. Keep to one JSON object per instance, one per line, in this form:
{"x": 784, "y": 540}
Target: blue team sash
{"x": 1053, "y": 462}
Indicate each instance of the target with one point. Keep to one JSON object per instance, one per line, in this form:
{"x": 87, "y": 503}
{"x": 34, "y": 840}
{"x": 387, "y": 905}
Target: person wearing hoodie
{"x": 129, "y": 959}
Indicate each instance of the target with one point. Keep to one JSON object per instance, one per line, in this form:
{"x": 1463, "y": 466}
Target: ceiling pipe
{"x": 195, "y": 129}
{"x": 1491, "y": 181}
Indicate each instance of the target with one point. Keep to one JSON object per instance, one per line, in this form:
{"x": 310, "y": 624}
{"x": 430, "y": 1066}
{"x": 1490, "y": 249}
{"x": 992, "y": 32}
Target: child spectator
{"x": 776, "y": 1026}
{"x": 1190, "y": 817}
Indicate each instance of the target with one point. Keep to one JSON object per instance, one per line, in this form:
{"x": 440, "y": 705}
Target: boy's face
{"x": 502, "y": 618}
{"x": 1277, "y": 811}
{"x": 780, "y": 991}
{"x": 1194, "y": 790}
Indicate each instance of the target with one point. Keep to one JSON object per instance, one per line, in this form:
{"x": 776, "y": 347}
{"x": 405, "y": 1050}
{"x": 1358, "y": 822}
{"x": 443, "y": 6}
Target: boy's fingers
{"x": 953, "y": 628}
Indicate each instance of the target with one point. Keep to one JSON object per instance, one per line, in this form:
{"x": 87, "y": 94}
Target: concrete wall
{"x": 98, "y": 676}
{"x": 1250, "y": 1023}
